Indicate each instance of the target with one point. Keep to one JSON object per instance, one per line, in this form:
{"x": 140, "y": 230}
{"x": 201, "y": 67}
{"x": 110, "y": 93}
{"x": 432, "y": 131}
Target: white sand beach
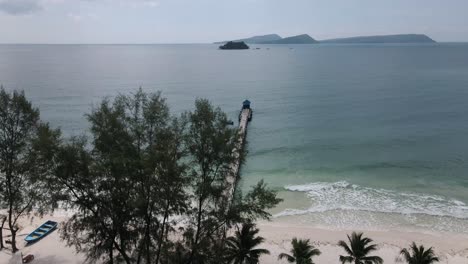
{"x": 451, "y": 248}
{"x": 49, "y": 250}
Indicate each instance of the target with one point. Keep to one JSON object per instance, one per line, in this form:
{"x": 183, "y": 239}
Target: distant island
{"x": 306, "y": 39}
{"x": 232, "y": 45}
{"x": 299, "y": 39}
{"x": 255, "y": 39}
{"x": 402, "y": 38}
{"x": 276, "y": 39}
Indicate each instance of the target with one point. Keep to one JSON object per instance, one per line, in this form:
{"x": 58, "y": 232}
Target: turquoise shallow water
{"x": 360, "y": 135}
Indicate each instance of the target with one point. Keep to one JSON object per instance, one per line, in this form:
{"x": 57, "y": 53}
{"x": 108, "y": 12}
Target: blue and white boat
{"x": 41, "y": 231}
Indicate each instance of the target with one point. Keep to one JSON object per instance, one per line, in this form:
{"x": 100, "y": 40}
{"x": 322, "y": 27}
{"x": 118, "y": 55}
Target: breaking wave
{"x": 346, "y": 196}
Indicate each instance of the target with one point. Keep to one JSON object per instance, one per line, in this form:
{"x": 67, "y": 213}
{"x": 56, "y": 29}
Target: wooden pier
{"x": 245, "y": 116}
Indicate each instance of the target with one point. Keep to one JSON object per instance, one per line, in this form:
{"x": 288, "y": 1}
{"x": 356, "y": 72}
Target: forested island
{"x": 299, "y": 39}
{"x": 402, "y": 38}
{"x": 275, "y": 39}
{"x": 255, "y": 39}
{"x": 306, "y": 39}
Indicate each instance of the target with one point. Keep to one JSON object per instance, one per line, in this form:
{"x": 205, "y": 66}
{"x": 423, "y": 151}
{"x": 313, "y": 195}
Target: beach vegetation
{"x": 146, "y": 186}
{"x": 418, "y": 255}
{"x": 302, "y": 252}
{"x": 242, "y": 248}
{"x": 358, "y": 250}
{"x": 26, "y": 147}
{"x": 213, "y": 147}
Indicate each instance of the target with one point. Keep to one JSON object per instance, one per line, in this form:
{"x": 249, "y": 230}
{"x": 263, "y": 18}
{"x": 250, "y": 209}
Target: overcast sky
{"x": 195, "y": 21}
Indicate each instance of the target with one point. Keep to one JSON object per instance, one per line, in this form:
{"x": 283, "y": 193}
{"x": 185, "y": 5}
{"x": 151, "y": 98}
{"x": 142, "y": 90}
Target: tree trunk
{"x": 2, "y": 246}
{"x": 12, "y": 228}
{"x": 122, "y": 253}
{"x": 148, "y": 241}
{"x": 197, "y": 234}
{"x": 160, "y": 240}
{"x": 147, "y": 237}
{"x": 140, "y": 249}
{"x": 111, "y": 255}
{"x": 14, "y": 249}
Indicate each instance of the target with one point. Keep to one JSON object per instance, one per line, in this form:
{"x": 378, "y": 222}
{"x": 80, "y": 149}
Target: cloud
{"x": 20, "y": 7}
{"x": 81, "y": 17}
{"x": 151, "y": 3}
{"x": 75, "y": 17}
{"x": 138, "y": 3}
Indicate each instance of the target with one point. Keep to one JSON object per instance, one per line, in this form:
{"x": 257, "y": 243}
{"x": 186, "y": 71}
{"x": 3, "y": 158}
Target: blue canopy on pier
{"x": 246, "y": 104}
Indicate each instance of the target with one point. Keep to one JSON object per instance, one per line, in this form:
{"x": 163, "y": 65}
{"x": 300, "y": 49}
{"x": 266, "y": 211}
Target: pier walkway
{"x": 244, "y": 118}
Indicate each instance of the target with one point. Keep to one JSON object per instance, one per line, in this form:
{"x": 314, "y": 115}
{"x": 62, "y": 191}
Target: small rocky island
{"x": 231, "y": 45}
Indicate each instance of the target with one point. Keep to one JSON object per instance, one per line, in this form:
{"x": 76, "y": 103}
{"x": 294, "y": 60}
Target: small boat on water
{"x": 41, "y": 231}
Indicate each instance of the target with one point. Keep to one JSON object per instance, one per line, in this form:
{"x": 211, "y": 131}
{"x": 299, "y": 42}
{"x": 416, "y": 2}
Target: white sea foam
{"x": 345, "y": 196}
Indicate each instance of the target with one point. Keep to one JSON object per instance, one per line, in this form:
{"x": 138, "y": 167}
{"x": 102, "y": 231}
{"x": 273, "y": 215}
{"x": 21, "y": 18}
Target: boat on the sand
{"x": 41, "y": 231}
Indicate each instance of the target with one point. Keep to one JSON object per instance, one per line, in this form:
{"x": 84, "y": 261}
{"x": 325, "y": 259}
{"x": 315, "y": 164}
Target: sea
{"x": 370, "y": 137}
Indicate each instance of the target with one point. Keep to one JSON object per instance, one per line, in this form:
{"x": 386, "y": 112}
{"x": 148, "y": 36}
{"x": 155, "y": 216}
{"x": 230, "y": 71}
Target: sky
{"x": 205, "y": 21}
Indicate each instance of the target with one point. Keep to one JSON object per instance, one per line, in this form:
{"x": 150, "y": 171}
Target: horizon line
{"x": 201, "y": 43}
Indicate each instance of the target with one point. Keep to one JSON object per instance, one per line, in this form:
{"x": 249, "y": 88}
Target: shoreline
{"x": 450, "y": 247}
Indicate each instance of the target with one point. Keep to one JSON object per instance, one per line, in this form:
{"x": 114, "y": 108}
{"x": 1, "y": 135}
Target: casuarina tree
{"x": 213, "y": 147}
{"x": 26, "y": 146}
{"x": 126, "y": 183}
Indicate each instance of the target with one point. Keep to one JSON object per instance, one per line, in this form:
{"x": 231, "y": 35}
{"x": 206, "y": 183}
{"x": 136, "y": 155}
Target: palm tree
{"x": 302, "y": 252}
{"x": 241, "y": 248}
{"x": 418, "y": 255}
{"x": 358, "y": 250}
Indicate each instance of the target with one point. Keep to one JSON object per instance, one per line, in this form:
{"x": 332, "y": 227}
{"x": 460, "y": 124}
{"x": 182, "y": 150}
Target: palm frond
{"x": 345, "y": 246}
{"x": 241, "y": 248}
{"x": 315, "y": 252}
{"x": 419, "y": 255}
{"x": 346, "y": 259}
{"x": 358, "y": 249}
{"x": 406, "y": 255}
{"x": 288, "y": 257}
{"x": 260, "y": 251}
{"x": 372, "y": 259}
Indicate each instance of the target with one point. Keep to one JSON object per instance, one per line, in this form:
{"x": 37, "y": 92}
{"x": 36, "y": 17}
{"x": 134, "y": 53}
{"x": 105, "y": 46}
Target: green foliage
{"x": 302, "y": 252}
{"x": 358, "y": 250}
{"x": 127, "y": 184}
{"x": 23, "y": 157}
{"x": 255, "y": 203}
{"x": 211, "y": 144}
{"x": 242, "y": 247}
{"x": 213, "y": 147}
{"x": 418, "y": 255}
{"x": 144, "y": 187}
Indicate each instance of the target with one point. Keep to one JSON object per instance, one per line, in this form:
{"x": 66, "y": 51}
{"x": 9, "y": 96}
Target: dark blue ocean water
{"x": 351, "y": 132}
